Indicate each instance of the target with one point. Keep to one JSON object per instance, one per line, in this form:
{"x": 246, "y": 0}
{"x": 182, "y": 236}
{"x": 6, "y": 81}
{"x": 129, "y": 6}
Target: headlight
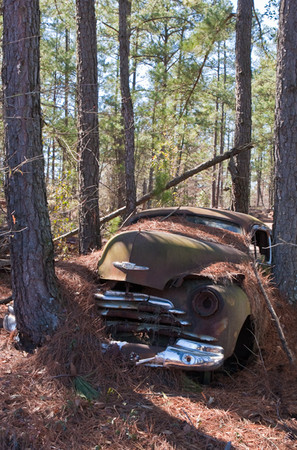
{"x": 206, "y": 301}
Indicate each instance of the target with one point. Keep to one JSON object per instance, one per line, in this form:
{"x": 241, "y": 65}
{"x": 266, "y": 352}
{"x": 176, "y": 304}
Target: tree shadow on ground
{"x": 40, "y": 407}
{"x": 137, "y": 407}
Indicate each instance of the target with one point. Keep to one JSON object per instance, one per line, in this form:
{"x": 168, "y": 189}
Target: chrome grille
{"x": 141, "y": 313}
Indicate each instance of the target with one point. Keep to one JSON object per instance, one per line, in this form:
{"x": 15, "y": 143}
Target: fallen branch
{"x": 177, "y": 180}
{"x": 66, "y": 235}
{"x": 172, "y": 183}
{"x": 276, "y": 320}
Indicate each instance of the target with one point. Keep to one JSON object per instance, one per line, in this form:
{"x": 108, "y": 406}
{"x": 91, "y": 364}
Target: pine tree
{"x": 285, "y": 217}
{"x": 88, "y": 137}
{"x": 34, "y": 283}
{"x": 240, "y": 166}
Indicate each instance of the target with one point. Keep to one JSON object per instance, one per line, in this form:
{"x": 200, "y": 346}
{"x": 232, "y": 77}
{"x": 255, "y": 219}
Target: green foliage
{"x": 112, "y": 227}
{"x": 263, "y": 120}
{"x": 58, "y": 80}
{"x": 84, "y": 389}
{"x": 63, "y": 207}
{"x": 216, "y": 26}
{"x": 164, "y": 197}
{"x": 182, "y": 84}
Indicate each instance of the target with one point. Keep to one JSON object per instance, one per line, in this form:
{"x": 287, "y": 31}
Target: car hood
{"x": 159, "y": 257}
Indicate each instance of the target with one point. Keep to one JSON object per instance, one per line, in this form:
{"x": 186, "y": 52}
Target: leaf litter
{"x": 139, "y": 407}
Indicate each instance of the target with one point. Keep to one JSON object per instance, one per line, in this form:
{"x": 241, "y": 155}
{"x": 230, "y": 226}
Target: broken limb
{"x": 183, "y": 177}
{"x": 172, "y": 183}
{"x": 275, "y": 319}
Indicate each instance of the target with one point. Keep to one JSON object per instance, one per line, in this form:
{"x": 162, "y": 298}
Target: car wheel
{"x": 244, "y": 348}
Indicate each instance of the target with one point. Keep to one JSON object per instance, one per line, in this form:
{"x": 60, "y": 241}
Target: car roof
{"x": 245, "y": 221}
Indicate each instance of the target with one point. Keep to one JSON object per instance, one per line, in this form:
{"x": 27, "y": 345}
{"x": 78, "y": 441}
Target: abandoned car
{"x": 171, "y": 290}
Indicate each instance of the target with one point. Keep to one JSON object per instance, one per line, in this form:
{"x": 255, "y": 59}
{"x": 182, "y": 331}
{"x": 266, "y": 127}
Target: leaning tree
{"x": 34, "y": 284}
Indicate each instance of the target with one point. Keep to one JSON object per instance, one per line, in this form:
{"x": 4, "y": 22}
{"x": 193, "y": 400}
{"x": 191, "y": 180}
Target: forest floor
{"x": 138, "y": 408}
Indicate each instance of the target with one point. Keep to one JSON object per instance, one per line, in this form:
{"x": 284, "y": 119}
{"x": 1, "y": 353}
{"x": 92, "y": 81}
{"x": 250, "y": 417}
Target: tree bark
{"x": 285, "y": 206}
{"x": 34, "y": 284}
{"x": 127, "y": 105}
{"x": 239, "y": 167}
{"x": 88, "y": 134}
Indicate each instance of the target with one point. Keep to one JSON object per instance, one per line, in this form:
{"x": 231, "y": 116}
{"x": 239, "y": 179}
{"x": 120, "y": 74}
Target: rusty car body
{"x": 161, "y": 305}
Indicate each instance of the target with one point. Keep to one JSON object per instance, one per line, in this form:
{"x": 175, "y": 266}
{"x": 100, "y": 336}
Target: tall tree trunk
{"x": 66, "y": 97}
{"x": 214, "y": 198}
{"x": 153, "y": 152}
{"x": 119, "y": 146}
{"x": 119, "y": 169}
{"x": 54, "y": 117}
{"x": 48, "y": 156}
{"x": 240, "y": 166}
{"x": 285, "y": 217}
{"x": 178, "y": 107}
{"x": 259, "y": 200}
{"x": 271, "y": 187}
{"x": 88, "y": 134}
{"x": 220, "y": 180}
{"x": 134, "y": 65}
{"x": 214, "y": 169}
{"x": 53, "y": 161}
{"x": 127, "y": 105}
{"x": 34, "y": 283}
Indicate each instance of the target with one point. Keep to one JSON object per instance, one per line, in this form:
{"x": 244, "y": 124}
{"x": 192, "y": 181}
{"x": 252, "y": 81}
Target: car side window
{"x": 213, "y": 223}
{"x": 261, "y": 245}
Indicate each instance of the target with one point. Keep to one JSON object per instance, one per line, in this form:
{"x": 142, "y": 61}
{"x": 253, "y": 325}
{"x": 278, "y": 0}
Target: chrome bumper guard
{"x": 184, "y": 354}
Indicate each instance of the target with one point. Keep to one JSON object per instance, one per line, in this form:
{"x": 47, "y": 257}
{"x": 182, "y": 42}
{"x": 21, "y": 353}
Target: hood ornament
{"x": 125, "y": 265}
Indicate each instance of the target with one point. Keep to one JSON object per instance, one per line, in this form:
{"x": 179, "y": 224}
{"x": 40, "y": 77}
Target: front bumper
{"x": 184, "y": 354}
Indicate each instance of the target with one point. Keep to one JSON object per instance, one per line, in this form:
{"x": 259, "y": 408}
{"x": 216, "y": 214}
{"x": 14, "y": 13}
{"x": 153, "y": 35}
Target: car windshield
{"x": 214, "y": 223}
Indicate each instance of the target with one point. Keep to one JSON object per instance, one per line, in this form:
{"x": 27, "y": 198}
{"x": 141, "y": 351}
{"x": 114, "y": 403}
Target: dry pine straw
{"x": 139, "y": 408}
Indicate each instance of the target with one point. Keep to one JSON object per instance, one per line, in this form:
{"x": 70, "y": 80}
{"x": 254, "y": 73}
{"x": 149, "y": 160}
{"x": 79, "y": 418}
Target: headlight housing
{"x": 206, "y": 301}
